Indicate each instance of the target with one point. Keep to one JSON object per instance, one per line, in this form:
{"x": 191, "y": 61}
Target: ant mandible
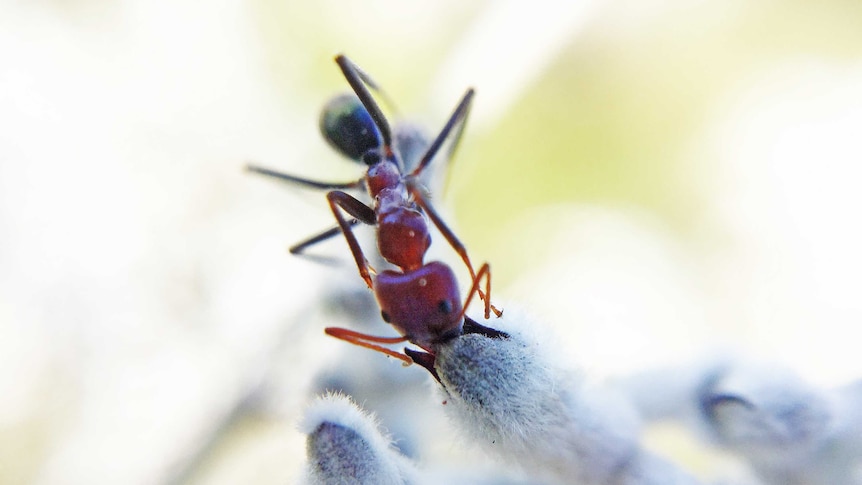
{"x": 420, "y": 300}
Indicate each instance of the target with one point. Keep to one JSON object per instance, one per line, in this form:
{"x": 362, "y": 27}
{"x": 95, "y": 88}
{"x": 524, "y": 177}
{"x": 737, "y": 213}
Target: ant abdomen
{"x": 348, "y": 128}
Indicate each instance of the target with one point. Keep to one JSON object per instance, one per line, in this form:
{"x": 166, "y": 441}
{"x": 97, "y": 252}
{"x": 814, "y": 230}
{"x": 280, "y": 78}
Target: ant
{"x": 419, "y": 299}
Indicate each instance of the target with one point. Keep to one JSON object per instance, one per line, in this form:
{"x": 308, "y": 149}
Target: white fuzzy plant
{"x": 346, "y": 445}
{"x": 786, "y": 430}
{"x": 504, "y": 395}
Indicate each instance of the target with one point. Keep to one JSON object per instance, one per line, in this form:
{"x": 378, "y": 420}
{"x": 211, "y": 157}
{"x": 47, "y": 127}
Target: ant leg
{"x": 364, "y": 340}
{"x": 299, "y": 247}
{"x": 360, "y": 211}
{"x": 438, "y": 222}
{"x": 359, "y": 81}
{"x": 303, "y": 181}
{"x": 485, "y": 271}
{"x": 450, "y": 236}
{"x": 457, "y": 121}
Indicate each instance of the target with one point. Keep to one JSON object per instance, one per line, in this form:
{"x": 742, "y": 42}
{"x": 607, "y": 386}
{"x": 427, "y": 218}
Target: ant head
{"x": 347, "y": 127}
{"x": 423, "y": 305}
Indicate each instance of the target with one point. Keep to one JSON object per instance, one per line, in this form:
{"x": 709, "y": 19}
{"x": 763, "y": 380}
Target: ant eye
{"x": 445, "y": 306}
{"x": 385, "y": 317}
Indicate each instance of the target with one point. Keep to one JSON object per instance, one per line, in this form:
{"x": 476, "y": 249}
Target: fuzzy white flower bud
{"x": 345, "y": 446}
{"x": 788, "y": 431}
{"x": 505, "y": 395}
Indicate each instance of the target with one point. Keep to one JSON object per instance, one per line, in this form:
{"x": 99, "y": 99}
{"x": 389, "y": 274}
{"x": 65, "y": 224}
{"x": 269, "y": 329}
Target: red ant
{"x": 421, "y": 300}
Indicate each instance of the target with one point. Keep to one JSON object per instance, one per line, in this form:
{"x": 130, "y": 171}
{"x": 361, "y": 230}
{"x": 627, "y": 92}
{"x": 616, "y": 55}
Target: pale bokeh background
{"x": 655, "y": 180}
